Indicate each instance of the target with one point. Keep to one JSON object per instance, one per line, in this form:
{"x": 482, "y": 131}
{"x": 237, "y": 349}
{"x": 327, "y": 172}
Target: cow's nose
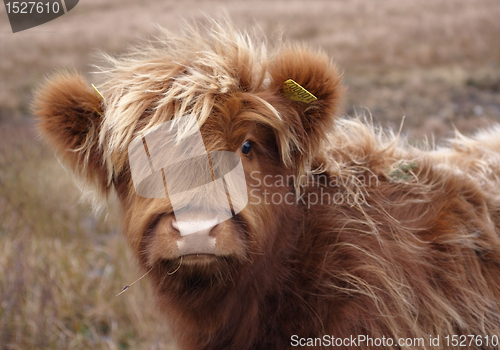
{"x": 195, "y": 224}
{"x": 197, "y": 234}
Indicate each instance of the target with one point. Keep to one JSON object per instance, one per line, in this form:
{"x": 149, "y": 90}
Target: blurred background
{"x": 435, "y": 62}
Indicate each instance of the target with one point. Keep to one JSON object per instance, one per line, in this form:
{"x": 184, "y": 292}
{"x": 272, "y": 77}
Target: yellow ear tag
{"x": 98, "y": 92}
{"x": 295, "y": 92}
{"x": 102, "y": 97}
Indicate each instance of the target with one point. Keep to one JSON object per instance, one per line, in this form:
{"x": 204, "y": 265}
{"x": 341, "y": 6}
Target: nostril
{"x": 213, "y": 232}
{"x": 174, "y": 224}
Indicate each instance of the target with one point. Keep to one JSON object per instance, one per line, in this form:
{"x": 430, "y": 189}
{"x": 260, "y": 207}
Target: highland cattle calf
{"x": 264, "y": 221}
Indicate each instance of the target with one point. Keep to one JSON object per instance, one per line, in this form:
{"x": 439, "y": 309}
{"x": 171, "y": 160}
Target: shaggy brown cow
{"x": 350, "y": 237}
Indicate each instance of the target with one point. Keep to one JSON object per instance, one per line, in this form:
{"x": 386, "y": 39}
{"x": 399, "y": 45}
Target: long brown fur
{"x": 414, "y": 252}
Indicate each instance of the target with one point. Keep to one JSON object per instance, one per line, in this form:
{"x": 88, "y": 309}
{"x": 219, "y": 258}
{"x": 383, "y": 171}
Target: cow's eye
{"x": 246, "y": 147}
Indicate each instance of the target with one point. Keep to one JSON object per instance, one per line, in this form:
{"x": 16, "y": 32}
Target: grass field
{"x": 436, "y": 62}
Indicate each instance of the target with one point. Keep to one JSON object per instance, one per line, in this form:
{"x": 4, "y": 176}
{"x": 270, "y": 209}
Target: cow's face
{"x": 196, "y": 168}
{"x": 209, "y": 200}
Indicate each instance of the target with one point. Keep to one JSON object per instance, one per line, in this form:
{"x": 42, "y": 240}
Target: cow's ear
{"x": 69, "y": 114}
{"x": 297, "y": 67}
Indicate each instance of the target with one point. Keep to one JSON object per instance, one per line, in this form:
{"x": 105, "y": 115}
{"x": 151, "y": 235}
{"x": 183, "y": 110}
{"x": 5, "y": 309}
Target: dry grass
{"x": 435, "y": 61}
